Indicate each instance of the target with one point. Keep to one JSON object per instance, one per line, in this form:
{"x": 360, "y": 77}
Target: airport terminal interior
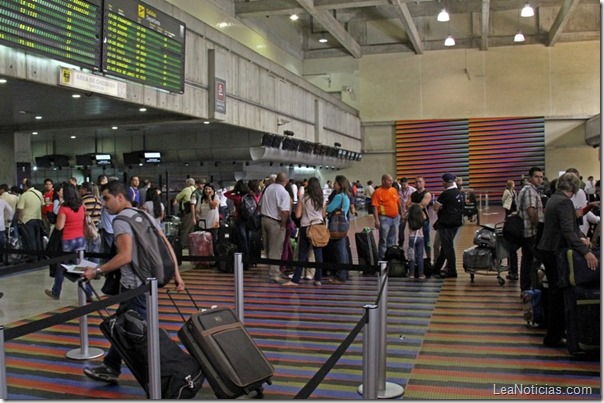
{"x": 228, "y": 90}
{"x": 446, "y": 339}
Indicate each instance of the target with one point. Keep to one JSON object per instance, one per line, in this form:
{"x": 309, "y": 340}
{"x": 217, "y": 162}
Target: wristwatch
{"x": 98, "y": 272}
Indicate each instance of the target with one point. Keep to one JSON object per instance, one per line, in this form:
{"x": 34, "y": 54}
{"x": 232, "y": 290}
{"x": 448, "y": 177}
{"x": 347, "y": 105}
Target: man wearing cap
{"x": 405, "y": 195}
{"x": 449, "y": 210}
{"x": 386, "y": 213}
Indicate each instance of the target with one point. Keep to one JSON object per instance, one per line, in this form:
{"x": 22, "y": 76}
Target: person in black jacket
{"x": 449, "y": 209}
{"x": 561, "y": 231}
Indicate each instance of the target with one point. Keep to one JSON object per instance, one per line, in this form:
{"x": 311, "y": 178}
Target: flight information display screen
{"x": 143, "y": 44}
{"x": 66, "y": 30}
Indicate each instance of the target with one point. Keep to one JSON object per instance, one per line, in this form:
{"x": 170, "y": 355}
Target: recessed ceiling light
{"x": 73, "y": 137}
{"x": 143, "y": 109}
{"x": 113, "y": 127}
{"x": 76, "y": 96}
{"x": 38, "y": 117}
{"x": 34, "y": 133}
{"x": 294, "y": 17}
{"x": 207, "y": 122}
{"x": 3, "y": 81}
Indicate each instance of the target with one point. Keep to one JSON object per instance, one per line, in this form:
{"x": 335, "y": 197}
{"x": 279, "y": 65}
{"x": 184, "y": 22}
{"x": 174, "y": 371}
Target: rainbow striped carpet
{"x": 446, "y": 340}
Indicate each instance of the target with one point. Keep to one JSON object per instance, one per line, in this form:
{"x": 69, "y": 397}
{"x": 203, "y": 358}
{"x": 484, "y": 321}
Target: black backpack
{"x": 154, "y": 253}
{"x": 250, "y": 212}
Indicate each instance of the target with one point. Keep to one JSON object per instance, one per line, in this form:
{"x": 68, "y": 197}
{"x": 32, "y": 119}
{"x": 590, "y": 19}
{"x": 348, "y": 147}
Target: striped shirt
{"x": 529, "y": 197}
{"x": 92, "y": 206}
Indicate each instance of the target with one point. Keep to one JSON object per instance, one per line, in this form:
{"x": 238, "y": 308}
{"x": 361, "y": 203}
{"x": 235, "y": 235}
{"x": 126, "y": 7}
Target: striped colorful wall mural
{"x": 486, "y": 152}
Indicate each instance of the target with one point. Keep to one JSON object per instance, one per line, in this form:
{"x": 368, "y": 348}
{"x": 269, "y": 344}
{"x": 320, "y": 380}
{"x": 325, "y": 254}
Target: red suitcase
{"x": 201, "y": 243}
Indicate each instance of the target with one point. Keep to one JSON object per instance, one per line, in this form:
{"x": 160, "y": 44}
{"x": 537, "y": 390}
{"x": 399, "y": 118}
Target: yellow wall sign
{"x": 141, "y": 11}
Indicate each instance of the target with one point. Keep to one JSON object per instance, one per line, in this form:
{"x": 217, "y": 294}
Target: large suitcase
{"x": 367, "y": 251}
{"x": 177, "y": 246}
{"x": 477, "y": 258}
{"x": 229, "y": 357}
{"x": 575, "y": 271}
{"x": 582, "y": 314}
{"x": 181, "y": 374}
{"x": 201, "y": 243}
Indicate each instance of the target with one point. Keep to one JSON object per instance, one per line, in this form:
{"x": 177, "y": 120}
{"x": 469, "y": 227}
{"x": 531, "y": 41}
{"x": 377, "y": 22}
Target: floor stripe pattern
{"x": 478, "y": 344}
{"x": 298, "y": 329}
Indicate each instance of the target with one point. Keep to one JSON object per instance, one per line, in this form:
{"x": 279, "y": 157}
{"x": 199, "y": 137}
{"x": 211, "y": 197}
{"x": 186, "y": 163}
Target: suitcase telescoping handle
{"x": 176, "y": 305}
{"x": 81, "y": 283}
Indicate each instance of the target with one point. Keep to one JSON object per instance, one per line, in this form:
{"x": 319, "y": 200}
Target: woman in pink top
{"x": 71, "y": 220}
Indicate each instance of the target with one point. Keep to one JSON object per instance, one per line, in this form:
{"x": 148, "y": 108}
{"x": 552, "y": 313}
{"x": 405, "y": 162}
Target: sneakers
{"x": 317, "y": 283}
{"x": 309, "y": 277}
{"x": 277, "y": 280}
{"x": 102, "y": 373}
{"x": 51, "y": 295}
{"x": 422, "y": 277}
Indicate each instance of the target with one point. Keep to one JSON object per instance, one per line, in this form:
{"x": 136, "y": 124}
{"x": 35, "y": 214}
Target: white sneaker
{"x": 308, "y": 277}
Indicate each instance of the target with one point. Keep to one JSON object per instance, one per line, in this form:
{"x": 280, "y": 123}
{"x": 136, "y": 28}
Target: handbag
{"x": 318, "y": 234}
{"x": 91, "y": 232}
{"x": 112, "y": 282}
{"x": 338, "y": 224}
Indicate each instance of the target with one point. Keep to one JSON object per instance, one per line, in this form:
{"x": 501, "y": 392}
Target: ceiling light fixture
{"x": 294, "y": 17}
{"x": 443, "y": 16}
{"x": 38, "y": 117}
{"x": 449, "y": 41}
{"x": 206, "y": 122}
{"x": 73, "y": 137}
{"x": 76, "y": 96}
{"x": 34, "y": 133}
{"x": 3, "y": 81}
{"x": 527, "y": 11}
{"x": 519, "y": 37}
{"x": 142, "y": 109}
{"x": 323, "y": 39}
{"x": 113, "y": 127}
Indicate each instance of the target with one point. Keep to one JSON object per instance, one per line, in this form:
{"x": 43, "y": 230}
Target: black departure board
{"x": 143, "y": 44}
{"x": 67, "y": 30}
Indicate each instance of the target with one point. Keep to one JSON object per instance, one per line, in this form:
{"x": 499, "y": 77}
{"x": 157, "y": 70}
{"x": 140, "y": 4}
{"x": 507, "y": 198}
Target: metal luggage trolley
{"x": 488, "y": 254}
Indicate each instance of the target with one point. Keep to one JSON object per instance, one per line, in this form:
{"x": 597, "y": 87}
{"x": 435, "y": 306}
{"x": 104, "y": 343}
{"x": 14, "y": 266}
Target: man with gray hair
{"x": 275, "y": 207}
{"x": 580, "y": 200}
{"x": 561, "y": 227}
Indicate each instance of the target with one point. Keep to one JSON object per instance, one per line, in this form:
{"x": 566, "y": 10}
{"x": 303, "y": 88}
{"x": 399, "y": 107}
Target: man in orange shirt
{"x": 387, "y": 213}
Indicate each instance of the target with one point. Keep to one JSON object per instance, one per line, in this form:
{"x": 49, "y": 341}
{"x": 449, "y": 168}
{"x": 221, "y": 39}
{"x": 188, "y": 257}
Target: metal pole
{"x": 153, "y": 341}
{"x": 486, "y": 201}
{"x": 386, "y": 390}
{"x": 3, "y": 385}
{"x": 370, "y": 354}
{"x": 83, "y": 353}
{"x": 239, "y": 285}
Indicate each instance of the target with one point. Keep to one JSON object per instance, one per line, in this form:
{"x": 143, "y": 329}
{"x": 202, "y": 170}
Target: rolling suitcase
{"x": 367, "y": 251}
{"x": 181, "y": 374}
{"x": 201, "y": 243}
{"x": 229, "y": 357}
{"x": 226, "y": 250}
{"x": 582, "y": 314}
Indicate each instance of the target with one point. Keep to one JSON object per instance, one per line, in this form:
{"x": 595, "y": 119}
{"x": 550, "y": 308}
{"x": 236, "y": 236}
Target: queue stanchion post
{"x": 239, "y": 285}
{"x": 3, "y": 385}
{"x": 386, "y": 390}
{"x": 153, "y": 340}
{"x": 369, "y": 389}
{"x": 84, "y": 352}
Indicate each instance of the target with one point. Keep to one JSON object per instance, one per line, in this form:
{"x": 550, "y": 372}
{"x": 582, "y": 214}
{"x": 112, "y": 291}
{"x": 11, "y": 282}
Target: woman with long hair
{"x": 206, "y": 209}
{"x": 508, "y": 200}
{"x": 70, "y": 219}
{"x": 309, "y": 210}
{"x": 340, "y": 200}
{"x": 153, "y": 205}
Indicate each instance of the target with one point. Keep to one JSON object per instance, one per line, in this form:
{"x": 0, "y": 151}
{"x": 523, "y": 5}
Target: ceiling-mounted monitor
{"x": 267, "y": 140}
{"x": 84, "y": 159}
{"x": 59, "y": 160}
{"x": 43, "y": 161}
{"x": 132, "y": 158}
{"x": 152, "y": 157}
{"x": 103, "y": 159}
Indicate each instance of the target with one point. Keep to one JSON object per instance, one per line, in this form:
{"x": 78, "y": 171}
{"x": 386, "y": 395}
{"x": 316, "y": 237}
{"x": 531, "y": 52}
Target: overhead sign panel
{"x": 143, "y": 44}
{"x": 66, "y": 30}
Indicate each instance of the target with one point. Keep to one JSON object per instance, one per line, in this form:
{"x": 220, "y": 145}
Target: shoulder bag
{"x": 318, "y": 234}
{"x": 338, "y": 223}
{"x": 91, "y": 232}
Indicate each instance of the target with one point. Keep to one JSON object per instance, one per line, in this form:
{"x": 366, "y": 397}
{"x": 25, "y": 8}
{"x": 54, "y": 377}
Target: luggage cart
{"x": 487, "y": 256}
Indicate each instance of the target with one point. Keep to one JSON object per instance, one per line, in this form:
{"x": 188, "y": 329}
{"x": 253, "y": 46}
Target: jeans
{"x": 72, "y": 245}
{"x": 388, "y": 235}
{"x": 139, "y": 304}
{"x": 427, "y": 245}
{"x": 417, "y": 243}
{"x": 401, "y": 232}
{"x": 94, "y": 246}
{"x": 32, "y": 236}
{"x": 447, "y": 250}
{"x": 303, "y": 247}
{"x": 342, "y": 257}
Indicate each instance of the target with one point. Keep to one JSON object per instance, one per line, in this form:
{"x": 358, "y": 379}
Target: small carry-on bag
{"x": 477, "y": 258}
{"x": 201, "y": 243}
{"x": 229, "y": 357}
{"x": 181, "y": 374}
